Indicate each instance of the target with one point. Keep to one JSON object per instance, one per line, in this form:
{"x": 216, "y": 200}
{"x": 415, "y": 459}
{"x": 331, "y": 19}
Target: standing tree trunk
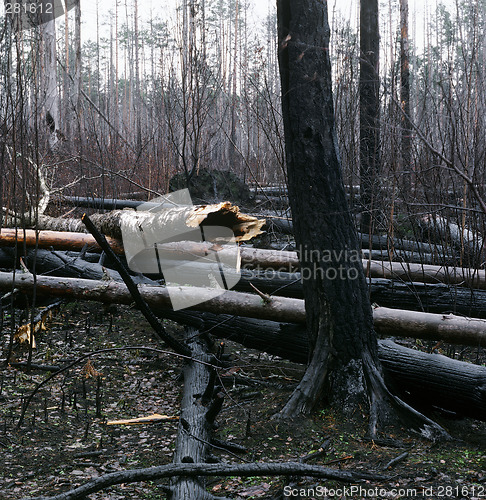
{"x": 137, "y": 101}
{"x": 406, "y": 155}
{"x": 233, "y": 151}
{"x": 66, "y": 115}
{"x": 369, "y": 111}
{"x": 344, "y": 363}
{"x": 77, "y": 72}
{"x": 50, "y": 97}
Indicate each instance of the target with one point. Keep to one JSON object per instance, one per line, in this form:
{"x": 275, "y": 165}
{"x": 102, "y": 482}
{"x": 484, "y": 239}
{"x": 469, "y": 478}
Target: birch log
{"x": 166, "y": 221}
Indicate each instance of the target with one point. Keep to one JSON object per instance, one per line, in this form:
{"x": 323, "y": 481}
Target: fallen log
{"x": 251, "y": 258}
{"x": 438, "y": 298}
{"x": 446, "y": 327}
{"x": 157, "y": 297}
{"x": 196, "y": 419}
{"x": 383, "y": 242}
{"x": 428, "y": 380}
{"x": 399, "y": 255}
{"x": 54, "y": 239}
{"x": 468, "y": 242}
{"x": 405, "y": 323}
{"x": 426, "y": 297}
{"x": 111, "y": 224}
{"x": 103, "y": 203}
{"x": 284, "y": 261}
{"x": 435, "y": 381}
{"x": 64, "y": 264}
{"x": 373, "y": 242}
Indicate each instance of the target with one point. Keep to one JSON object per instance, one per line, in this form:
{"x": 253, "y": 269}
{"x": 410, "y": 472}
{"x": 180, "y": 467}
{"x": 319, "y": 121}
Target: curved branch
{"x": 184, "y": 469}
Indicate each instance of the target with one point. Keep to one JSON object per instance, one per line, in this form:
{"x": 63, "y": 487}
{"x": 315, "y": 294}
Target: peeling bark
{"x": 110, "y": 224}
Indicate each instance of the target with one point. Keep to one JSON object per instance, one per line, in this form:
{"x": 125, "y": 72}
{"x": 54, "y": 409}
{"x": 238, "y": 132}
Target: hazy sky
{"x": 259, "y": 8}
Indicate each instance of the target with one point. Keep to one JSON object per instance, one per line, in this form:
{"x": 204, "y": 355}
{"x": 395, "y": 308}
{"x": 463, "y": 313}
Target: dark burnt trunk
{"x": 344, "y": 363}
{"x": 338, "y": 309}
{"x": 369, "y": 111}
{"x": 429, "y": 381}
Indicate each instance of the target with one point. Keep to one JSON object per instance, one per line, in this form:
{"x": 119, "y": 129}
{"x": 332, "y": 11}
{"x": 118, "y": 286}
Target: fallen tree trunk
{"x": 165, "y": 221}
{"x": 428, "y": 297}
{"x": 385, "y": 293}
{"x": 383, "y": 243}
{"x": 157, "y": 297}
{"x": 433, "y": 380}
{"x": 468, "y": 242}
{"x": 54, "y": 239}
{"x": 284, "y": 261}
{"x": 279, "y": 261}
{"x": 196, "y": 419}
{"x": 428, "y": 380}
{"x": 64, "y": 265}
{"x": 446, "y": 327}
{"x": 404, "y": 323}
{"x": 412, "y": 257}
{"x": 245, "y": 470}
{"x": 103, "y": 203}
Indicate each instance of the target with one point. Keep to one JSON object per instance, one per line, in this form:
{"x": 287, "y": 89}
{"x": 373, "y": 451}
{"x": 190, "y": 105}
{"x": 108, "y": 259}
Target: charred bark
{"x": 369, "y": 112}
{"x": 316, "y": 186}
{"x": 344, "y": 362}
{"x": 426, "y": 380}
{"x": 195, "y": 425}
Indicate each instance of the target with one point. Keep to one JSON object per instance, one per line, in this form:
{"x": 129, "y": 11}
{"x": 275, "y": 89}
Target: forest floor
{"x": 63, "y": 442}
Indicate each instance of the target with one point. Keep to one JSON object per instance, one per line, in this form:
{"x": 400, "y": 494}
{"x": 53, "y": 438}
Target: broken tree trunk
{"x": 429, "y": 380}
{"x": 165, "y": 221}
{"x": 404, "y": 324}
